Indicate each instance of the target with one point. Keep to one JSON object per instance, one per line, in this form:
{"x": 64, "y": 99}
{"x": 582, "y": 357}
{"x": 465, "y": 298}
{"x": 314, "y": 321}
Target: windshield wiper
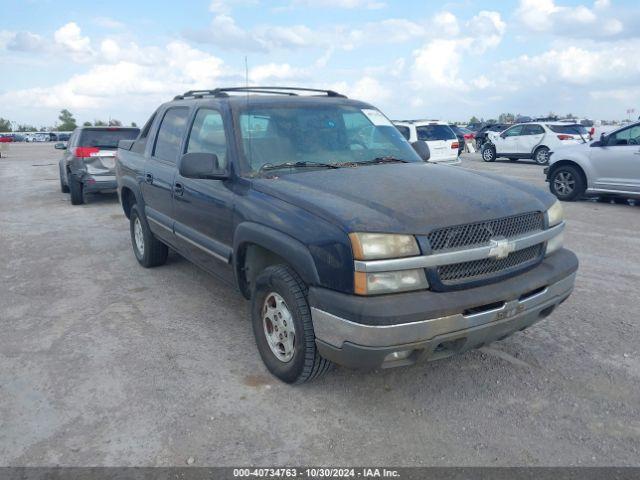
{"x": 277, "y": 166}
{"x": 377, "y": 160}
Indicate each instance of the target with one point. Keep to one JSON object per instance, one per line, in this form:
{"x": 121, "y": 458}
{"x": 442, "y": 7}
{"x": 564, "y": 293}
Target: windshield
{"x": 572, "y": 129}
{"x": 433, "y": 132}
{"x": 325, "y": 134}
{"x": 106, "y": 138}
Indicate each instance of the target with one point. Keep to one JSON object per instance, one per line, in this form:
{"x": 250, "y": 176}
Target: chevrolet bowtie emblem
{"x": 501, "y": 248}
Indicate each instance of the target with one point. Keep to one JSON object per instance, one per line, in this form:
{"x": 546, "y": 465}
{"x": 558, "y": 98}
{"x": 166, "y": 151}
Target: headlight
{"x": 389, "y": 282}
{"x": 554, "y": 214}
{"x": 376, "y": 246}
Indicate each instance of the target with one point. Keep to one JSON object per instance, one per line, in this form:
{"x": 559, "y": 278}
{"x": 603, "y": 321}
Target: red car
{"x": 6, "y": 139}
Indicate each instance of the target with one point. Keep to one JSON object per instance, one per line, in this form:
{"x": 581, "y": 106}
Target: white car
{"x": 532, "y": 140}
{"x": 442, "y": 141}
{"x": 609, "y": 167}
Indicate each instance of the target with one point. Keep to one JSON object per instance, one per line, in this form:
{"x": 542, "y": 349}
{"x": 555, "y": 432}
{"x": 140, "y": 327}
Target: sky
{"x": 412, "y": 59}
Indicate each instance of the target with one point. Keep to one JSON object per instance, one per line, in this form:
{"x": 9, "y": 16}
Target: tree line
{"x": 67, "y": 123}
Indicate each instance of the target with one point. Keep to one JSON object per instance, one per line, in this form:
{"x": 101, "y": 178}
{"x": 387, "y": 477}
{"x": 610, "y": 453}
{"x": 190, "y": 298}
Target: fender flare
{"x": 131, "y": 184}
{"x": 296, "y": 253}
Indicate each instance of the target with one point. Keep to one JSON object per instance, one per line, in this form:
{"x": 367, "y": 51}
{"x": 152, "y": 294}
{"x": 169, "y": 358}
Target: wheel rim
{"x": 487, "y": 154}
{"x": 542, "y": 156}
{"x": 138, "y": 236}
{"x": 278, "y": 327}
{"x": 564, "y": 183}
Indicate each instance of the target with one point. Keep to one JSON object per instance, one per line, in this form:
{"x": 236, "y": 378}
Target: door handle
{"x": 178, "y": 189}
{"x": 148, "y": 178}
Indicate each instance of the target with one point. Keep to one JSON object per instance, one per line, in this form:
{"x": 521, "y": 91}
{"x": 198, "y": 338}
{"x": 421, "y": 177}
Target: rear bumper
{"x": 97, "y": 183}
{"x": 449, "y": 323}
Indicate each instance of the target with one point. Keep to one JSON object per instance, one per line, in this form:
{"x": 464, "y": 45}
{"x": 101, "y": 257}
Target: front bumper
{"x": 450, "y": 323}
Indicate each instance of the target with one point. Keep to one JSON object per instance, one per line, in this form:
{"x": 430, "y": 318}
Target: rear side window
{"x": 571, "y": 129}
{"x": 170, "y": 134}
{"x": 406, "y": 133}
{"x": 207, "y": 135}
{"x": 141, "y": 142}
{"x": 533, "y": 130}
{"x": 106, "y": 137}
{"x": 429, "y": 133}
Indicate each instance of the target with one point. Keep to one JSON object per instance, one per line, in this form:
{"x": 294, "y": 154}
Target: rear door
{"x": 204, "y": 207}
{"x": 532, "y": 135}
{"x": 160, "y": 171}
{"x": 617, "y": 164}
{"x": 440, "y": 139}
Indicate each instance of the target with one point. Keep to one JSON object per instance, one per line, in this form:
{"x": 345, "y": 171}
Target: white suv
{"x": 442, "y": 141}
{"x": 532, "y": 140}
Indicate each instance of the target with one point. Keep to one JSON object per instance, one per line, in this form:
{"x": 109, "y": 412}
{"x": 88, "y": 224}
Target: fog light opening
{"x": 399, "y": 355}
{"x": 545, "y": 312}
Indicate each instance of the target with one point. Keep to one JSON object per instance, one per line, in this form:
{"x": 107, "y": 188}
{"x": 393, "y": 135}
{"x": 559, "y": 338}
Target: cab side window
{"x": 207, "y": 135}
{"x": 141, "y": 142}
{"x": 170, "y": 133}
{"x": 514, "y": 131}
{"x": 628, "y": 136}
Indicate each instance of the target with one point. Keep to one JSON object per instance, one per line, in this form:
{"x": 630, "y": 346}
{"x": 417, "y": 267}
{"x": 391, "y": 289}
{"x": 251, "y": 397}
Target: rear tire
{"x": 279, "y": 310}
{"x": 567, "y": 183}
{"x": 149, "y": 251}
{"x": 76, "y": 190}
{"x": 513, "y": 159}
{"x": 541, "y": 156}
{"x": 489, "y": 153}
{"x": 64, "y": 188}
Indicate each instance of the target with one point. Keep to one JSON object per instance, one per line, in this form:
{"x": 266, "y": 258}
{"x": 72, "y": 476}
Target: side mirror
{"x": 201, "y": 165}
{"x": 603, "y": 140}
{"x": 60, "y": 146}
{"x": 422, "y": 149}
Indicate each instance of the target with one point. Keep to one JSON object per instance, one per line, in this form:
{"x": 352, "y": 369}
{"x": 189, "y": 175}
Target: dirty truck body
{"x": 377, "y": 258}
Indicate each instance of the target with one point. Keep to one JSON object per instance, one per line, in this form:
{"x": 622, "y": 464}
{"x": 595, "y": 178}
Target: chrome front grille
{"x": 479, "y": 233}
{"x": 486, "y": 268}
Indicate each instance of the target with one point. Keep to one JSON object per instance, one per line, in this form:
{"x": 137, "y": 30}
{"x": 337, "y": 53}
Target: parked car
{"x": 481, "y": 135}
{"x": 351, "y": 248}
{"x": 609, "y": 167}
{"x": 532, "y": 140}
{"x": 6, "y": 139}
{"x": 462, "y": 134}
{"x": 88, "y": 163}
{"x": 442, "y": 141}
{"x": 63, "y": 137}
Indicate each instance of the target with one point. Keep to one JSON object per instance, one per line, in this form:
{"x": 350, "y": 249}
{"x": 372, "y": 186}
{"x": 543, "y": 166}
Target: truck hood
{"x": 404, "y": 198}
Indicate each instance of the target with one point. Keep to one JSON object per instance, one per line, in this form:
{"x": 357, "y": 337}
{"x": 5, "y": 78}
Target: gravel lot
{"x": 105, "y": 363}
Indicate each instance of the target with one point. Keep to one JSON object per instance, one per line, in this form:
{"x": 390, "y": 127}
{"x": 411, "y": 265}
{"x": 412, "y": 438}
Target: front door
{"x": 617, "y": 164}
{"x": 160, "y": 172}
{"x": 507, "y": 141}
{"x": 204, "y": 208}
{"x": 531, "y": 137}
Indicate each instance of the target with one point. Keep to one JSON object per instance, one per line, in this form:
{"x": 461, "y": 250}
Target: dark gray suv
{"x": 89, "y": 160}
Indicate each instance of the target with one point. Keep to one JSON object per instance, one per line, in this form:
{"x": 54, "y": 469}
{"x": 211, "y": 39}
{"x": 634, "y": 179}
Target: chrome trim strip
{"x": 203, "y": 248}
{"x": 160, "y": 224}
{"x": 335, "y": 331}
{"x": 455, "y": 256}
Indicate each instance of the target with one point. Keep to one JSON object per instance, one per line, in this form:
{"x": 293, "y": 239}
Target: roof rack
{"x": 224, "y": 92}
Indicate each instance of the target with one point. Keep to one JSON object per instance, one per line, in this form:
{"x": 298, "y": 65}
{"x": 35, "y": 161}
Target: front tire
{"x": 541, "y": 156}
{"x": 149, "y": 251}
{"x": 489, "y": 153}
{"x": 282, "y": 326}
{"x": 76, "y": 191}
{"x": 567, "y": 183}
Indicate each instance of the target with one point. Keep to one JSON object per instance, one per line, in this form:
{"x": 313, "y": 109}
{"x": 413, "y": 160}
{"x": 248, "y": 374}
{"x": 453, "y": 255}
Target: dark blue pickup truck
{"x": 350, "y": 245}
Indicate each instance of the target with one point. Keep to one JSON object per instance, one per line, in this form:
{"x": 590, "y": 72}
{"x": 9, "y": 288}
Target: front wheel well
{"x": 251, "y": 260}
{"x": 128, "y": 199}
{"x": 561, "y": 163}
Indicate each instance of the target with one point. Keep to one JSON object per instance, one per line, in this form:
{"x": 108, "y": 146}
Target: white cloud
{"x": 69, "y": 37}
{"x": 279, "y": 72}
{"x": 446, "y": 23}
{"x": 349, "y": 4}
{"x": 108, "y": 22}
{"x": 26, "y": 42}
{"x": 487, "y": 29}
{"x": 226, "y": 6}
{"x": 575, "y": 21}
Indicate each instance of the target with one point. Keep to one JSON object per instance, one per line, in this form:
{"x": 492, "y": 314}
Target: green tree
{"x": 67, "y": 122}
{"x": 115, "y": 123}
{"x": 5, "y": 125}
{"x": 134, "y": 124}
{"x": 26, "y": 128}
{"x": 99, "y": 123}
{"x": 86, "y": 124}
{"x": 474, "y": 119}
